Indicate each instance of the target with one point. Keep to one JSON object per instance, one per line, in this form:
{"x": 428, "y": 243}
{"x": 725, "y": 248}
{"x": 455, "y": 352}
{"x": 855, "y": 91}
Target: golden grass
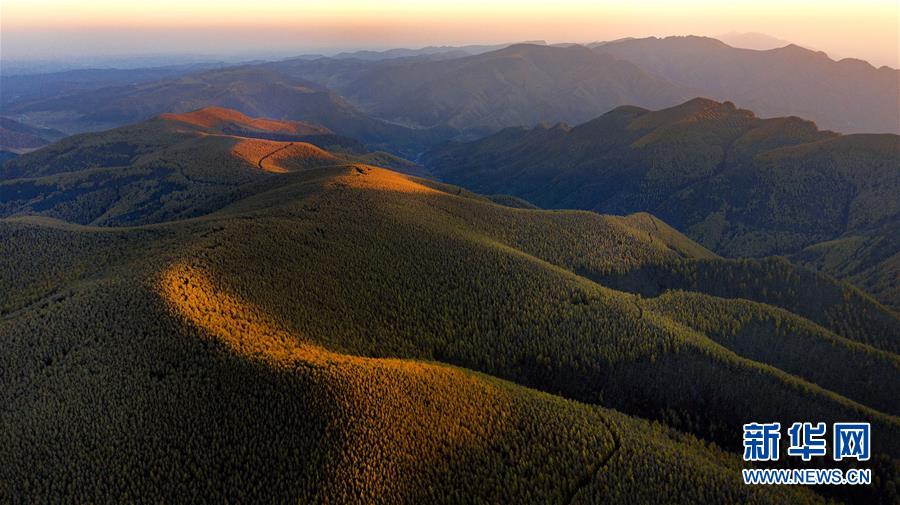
{"x": 215, "y": 117}
{"x": 374, "y": 178}
{"x": 280, "y": 157}
{"x": 395, "y": 416}
{"x": 297, "y": 156}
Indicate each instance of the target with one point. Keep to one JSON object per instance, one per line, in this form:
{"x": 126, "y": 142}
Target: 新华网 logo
{"x": 807, "y": 441}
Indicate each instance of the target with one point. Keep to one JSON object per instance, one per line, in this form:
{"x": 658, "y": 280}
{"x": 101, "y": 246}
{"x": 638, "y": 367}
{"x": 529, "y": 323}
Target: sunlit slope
{"x": 190, "y": 177}
{"x": 222, "y": 120}
{"x": 141, "y": 143}
{"x": 317, "y": 284}
{"x": 166, "y": 386}
{"x": 462, "y": 273}
{"x": 171, "y": 167}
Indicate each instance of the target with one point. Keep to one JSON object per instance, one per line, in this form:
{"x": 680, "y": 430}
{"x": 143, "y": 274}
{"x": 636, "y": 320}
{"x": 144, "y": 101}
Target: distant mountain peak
{"x": 752, "y": 40}
{"x": 845, "y": 96}
{"x": 694, "y": 39}
{"x": 697, "y": 109}
{"x": 543, "y": 48}
{"x": 801, "y": 52}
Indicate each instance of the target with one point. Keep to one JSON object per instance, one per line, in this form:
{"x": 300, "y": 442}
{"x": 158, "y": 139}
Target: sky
{"x": 60, "y": 29}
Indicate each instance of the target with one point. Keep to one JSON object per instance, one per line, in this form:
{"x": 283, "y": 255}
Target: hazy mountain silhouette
{"x": 850, "y": 96}
{"x": 257, "y": 90}
{"x": 17, "y": 88}
{"x": 522, "y": 84}
{"x": 430, "y": 51}
{"x": 519, "y": 85}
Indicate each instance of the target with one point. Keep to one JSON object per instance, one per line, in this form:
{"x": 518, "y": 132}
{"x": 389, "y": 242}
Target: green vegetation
{"x": 737, "y": 184}
{"x": 870, "y": 260}
{"x": 202, "y": 396}
{"x": 171, "y": 167}
{"x": 839, "y": 307}
{"x": 284, "y": 347}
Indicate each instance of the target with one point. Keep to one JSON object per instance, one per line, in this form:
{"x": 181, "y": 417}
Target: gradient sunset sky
{"x": 866, "y": 29}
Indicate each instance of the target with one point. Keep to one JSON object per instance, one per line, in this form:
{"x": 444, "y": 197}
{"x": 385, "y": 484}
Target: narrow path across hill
{"x": 586, "y": 480}
{"x": 282, "y": 148}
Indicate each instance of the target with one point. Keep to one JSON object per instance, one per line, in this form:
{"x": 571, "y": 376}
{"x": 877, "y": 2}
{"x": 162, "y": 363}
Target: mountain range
{"x": 408, "y": 101}
{"x": 17, "y": 88}
{"x": 738, "y": 184}
{"x": 525, "y": 84}
{"x": 254, "y": 90}
{"x": 849, "y": 96}
{"x": 521, "y": 84}
{"x": 382, "y": 337}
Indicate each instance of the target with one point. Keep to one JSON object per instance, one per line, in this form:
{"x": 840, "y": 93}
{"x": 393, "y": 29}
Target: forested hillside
{"x": 324, "y": 318}
{"x": 870, "y": 260}
{"x": 738, "y": 184}
{"x": 169, "y": 167}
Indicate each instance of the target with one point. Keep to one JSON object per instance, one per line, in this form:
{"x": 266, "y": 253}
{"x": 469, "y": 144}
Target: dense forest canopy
{"x": 327, "y": 313}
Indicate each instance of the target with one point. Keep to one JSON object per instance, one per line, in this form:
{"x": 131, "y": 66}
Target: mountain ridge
{"x": 171, "y": 165}
{"x": 849, "y": 95}
{"x": 739, "y": 184}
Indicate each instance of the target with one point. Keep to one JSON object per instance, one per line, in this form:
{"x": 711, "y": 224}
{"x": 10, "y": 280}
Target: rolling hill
{"x": 172, "y": 166}
{"x": 849, "y": 96}
{"x": 738, "y": 184}
{"x": 870, "y": 260}
{"x": 186, "y": 389}
{"x": 340, "y": 332}
{"x": 256, "y": 90}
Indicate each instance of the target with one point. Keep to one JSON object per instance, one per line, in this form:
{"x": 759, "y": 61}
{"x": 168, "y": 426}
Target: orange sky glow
{"x": 866, "y": 29}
